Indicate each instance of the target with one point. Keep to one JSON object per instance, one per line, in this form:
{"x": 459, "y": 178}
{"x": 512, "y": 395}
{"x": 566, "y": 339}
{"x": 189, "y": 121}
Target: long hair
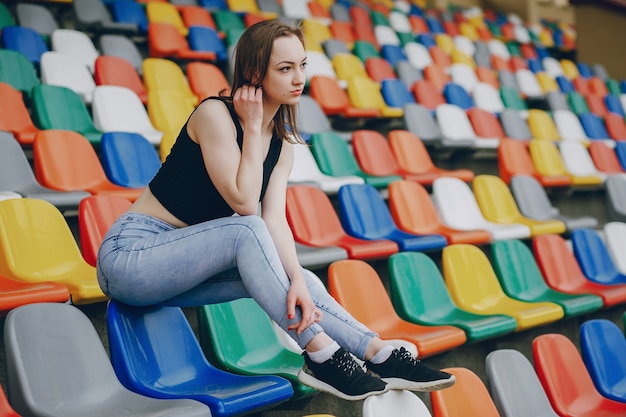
{"x": 252, "y": 57}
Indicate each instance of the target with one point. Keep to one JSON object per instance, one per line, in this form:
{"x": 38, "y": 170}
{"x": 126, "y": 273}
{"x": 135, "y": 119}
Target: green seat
{"x": 60, "y": 108}
{"x": 419, "y": 295}
{"x": 512, "y": 99}
{"x": 334, "y": 157}
{"x": 17, "y": 71}
{"x": 514, "y": 49}
{"x": 405, "y": 37}
{"x": 577, "y": 103}
{"x": 233, "y": 35}
{"x": 522, "y": 279}
{"x": 364, "y": 49}
{"x": 6, "y": 18}
{"x": 613, "y": 86}
{"x": 226, "y": 20}
{"x": 379, "y": 19}
{"x": 239, "y": 337}
{"x": 494, "y": 28}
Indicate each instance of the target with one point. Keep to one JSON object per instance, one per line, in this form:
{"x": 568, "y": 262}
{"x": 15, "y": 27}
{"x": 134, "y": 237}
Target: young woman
{"x": 194, "y": 237}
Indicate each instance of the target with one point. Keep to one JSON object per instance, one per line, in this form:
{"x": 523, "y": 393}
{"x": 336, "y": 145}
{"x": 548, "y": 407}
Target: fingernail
{"x": 290, "y": 316}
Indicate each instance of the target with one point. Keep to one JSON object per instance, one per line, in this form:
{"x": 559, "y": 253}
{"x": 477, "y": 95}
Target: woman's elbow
{"x": 247, "y": 209}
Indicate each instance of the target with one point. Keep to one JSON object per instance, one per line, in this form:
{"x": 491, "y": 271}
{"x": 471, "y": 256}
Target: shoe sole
{"x": 403, "y": 384}
{"x": 313, "y": 382}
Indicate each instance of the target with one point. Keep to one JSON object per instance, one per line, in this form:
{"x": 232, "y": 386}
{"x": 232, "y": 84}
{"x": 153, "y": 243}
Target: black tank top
{"x": 183, "y": 186}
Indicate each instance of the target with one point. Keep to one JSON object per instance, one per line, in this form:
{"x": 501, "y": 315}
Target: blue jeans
{"x": 146, "y": 261}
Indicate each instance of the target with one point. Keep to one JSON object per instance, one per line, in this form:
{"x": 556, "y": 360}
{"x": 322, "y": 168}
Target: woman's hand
{"x": 298, "y": 295}
{"x": 248, "y": 102}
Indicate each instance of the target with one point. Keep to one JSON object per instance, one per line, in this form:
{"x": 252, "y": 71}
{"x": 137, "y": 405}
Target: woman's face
{"x": 286, "y": 72}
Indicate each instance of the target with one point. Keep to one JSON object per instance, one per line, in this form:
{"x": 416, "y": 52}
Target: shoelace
{"x": 347, "y": 364}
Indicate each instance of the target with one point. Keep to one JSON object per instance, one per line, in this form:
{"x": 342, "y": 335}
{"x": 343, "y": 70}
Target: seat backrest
{"x": 327, "y": 92}
{"x": 604, "y": 158}
{"x": 128, "y": 159}
{"x": 121, "y": 46}
{"x": 311, "y": 117}
{"x": 363, "y": 212}
{"x": 114, "y": 70}
{"x": 66, "y": 71}
{"x": 161, "y": 12}
{"x": 203, "y": 38}
{"x": 17, "y": 71}
{"x": 304, "y": 168}
{"x": 417, "y": 54}
{"x": 487, "y": 97}
{"x": 397, "y": 403}
{"x": 528, "y": 84}
{"x": 485, "y": 123}
{"x": 495, "y": 199}
{"x": 557, "y": 262}
{"x": 514, "y": 125}
{"x": 333, "y": 154}
{"x": 119, "y": 109}
{"x": 77, "y": 43}
{"x": 427, "y": 95}
{"x": 160, "y": 74}
{"x": 409, "y": 151}
{"x": 615, "y": 126}
{"x": 395, "y": 92}
{"x": 37, "y": 17}
{"x": 454, "y": 123}
{"x": 14, "y": 115}
{"x": 465, "y": 76}
{"x": 347, "y": 66}
{"x": 15, "y": 171}
{"x": 514, "y": 159}
{"x": 165, "y": 40}
{"x": 420, "y": 121}
{"x": 547, "y": 158}
{"x": 593, "y": 125}
{"x": 468, "y": 396}
{"x": 542, "y": 125}
{"x": 169, "y": 110}
{"x": 96, "y": 215}
{"x": 25, "y": 40}
{"x": 206, "y": 79}
{"x": 512, "y": 380}
{"x": 373, "y": 153}
{"x": 593, "y": 256}
{"x": 531, "y": 198}
{"x": 455, "y": 94}
{"x": 130, "y": 12}
{"x": 615, "y": 237}
{"x": 57, "y": 107}
{"x": 568, "y": 125}
{"x": 456, "y": 204}
{"x": 577, "y": 159}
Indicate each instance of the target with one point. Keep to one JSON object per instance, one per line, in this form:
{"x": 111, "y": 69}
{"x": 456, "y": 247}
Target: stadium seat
{"x": 26, "y": 41}
{"x": 206, "y": 39}
{"x": 312, "y": 119}
{"x": 542, "y": 126}
{"x": 128, "y": 12}
{"x": 92, "y": 16}
{"x": 578, "y": 161}
{"x": 594, "y": 258}
{"x": 614, "y": 238}
{"x": 548, "y": 161}
{"x": 206, "y": 79}
{"x": 38, "y": 17}
{"x": 64, "y": 70}
{"x": 605, "y": 158}
{"x": 514, "y": 125}
{"x": 427, "y": 94}
{"x": 128, "y": 159}
{"x": 113, "y": 70}
{"x": 468, "y": 396}
{"x": 399, "y": 403}
{"x": 166, "y": 41}
{"x": 334, "y": 100}
{"x": 421, "y": 122}
{"x": 168, "y": 111}
{"x": 76, "y": 43}
{"x": 17, "y": 71}
{"x": 122, "y": 47}
{"x": 487, "y": 97}
{"x": 364, "y": 93}
{"x": 15, "y": 116}
{"x": 569, "y": 127}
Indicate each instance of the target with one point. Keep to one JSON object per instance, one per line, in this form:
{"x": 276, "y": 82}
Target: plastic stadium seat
{"x": 421, "y": 122}
{"x": 26, "y": 41}
{"x": 427, "y": 95}
{"x": 457, "y": 206}
{"x": 150, "y": 345}
{"x": 94, "y": 16}
{"x": 563, "y": 273}
{"x": 206, "y": 39}
{"x": 358, "y": 288}
{"x": 113, "y": 70}
{"x": 468, "y": 396}
{"x": 166, "y": 41}
{"x": 413, "y": 211}
{"x": 398, "y": 403}
{"x": 569, "y": 126}
{"x": 65, "y": 160}
{"x": 548, "y": 161}
{"x": 36, "y": 16}
{"x": 542, "y": 125}
{"x": 514, "y": 158}
{"x": 514, "y": 125}
{"x": 239, "y": 336}
{"x": 122, "y": 47}
{"x": 364, "y": 93}
{"x": 15, "y": 116}
{"x": 522, "y": 279}
{"x": 419, "y": 295}
{"x": 512, "y": 382}
{"x": 14, "y": 294}
{"x": 305, "y": 170}
{"x": 474, "y": 286}
{"x": 195, "y": 15}
{"x": 76, "y": 43}
{"x": 40, "y": 338}
{"x": 64, "y": 70}
{"x": 615, "y": 126}
{"x": 335, "y": 157}
{"x": 615, "y": 238}
{"x": 566, "y": 379}
{"x": 168, "y": 111}
{"x": 613, "y": 104}
{"x": 17, "y": 71}
{"x": 594, "y": 258}
{"x": 60, "y": 108}
{"x": 533, "y": 202}
{"x": 486, "y": 125}
{"x": 347, "y": 66}
{"x": 455, "y": 94}
{"x": 314, "y": 222}
{"x": 42, "y": 248}
{"x": 396, "y": 93}
{"x": 605, "y": 158}
{"x": 578, "y": 161}
{"x": 464, "y": 76}
{"x": 418, "y": 55}
{"x": 436, "y": 75}
{"x": 497, "y": 204}
{"x": 206, "y": 79}
{"x": 160, "y": 74}
{"x": 128, "y": 12}
{"x": 487, "y": 97}
{"x": 458, "y": 131}
{"x": 128, "y": 159}
{"x": 162, "y": 12}
{"x": 333, "y": 99}
{"x": 319, "y": 64}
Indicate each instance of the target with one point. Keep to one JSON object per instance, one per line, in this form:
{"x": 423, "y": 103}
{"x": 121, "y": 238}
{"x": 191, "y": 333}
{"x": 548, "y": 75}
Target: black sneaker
{"x": 341, "y": 376}
{"x": 403, "y": 372}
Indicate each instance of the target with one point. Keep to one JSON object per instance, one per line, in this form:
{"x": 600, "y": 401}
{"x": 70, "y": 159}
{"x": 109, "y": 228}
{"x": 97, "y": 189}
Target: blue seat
{"x": 535, "y": 65}
{"x": 434, "y": 24}
{"x": 603, "y": 348}
{"x": 455, "y": 94}
{"x": 204, "y": 38}
{"x": 542, "y": 52}
{"x": 396, "y": 93}
{"x": 128, "y": 159}
{"x": 565, "y": 85}
{"x": 155, "y": 352}
{"x": 594, "y": 126}
{"x": 364, "y": 214}
{"x": 594, "y": 257}
{"x": 622, "y": 86}
{"x": 584, "y": 70}
{"x": 393, "y": 54}
{"x": 129, "y": 11}
{"x": 25, "y": 40}
{"x": 614, "y": 105}
{"x": 427, "y": 40}
{"x": 213, "y": 5}
{"x": 620, "y": 151}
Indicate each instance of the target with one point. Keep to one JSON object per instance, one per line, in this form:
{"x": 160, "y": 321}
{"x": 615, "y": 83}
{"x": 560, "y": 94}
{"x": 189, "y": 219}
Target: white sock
{"x": 322, "y": 355}
{"x": 382, "y": 355}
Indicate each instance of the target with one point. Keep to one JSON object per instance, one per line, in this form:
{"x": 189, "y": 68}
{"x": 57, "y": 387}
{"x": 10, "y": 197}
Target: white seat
{"x": 458, "y": 208}
{"x": 296, "y": 9}
{"x": 305, "y": 170}
{"x": 498, "y": 48}
{"x": 528, "y": 84}
{"x": 119, "y": 109}
{"x": 552, "y": 66}
{"x": 514, "y": 18}
{"x": 395, "y": 403}
{"x": 66, "y": 71}
{"x": 455, "y": 125}
{"x": 76, "y": 43}
{"x": 487, "y": 97}
{"x": 569, "y": 126}
{"x": 464, "y": 44}
{"x": 615, "y": 237}
{"x": 418, "y": 55}
{"x": 521, "y": 34}
{"x": 400, "y": 21}
{"x": 318, "y": 63}
{"x": 7, "y": 195}
{"x": 577, "y": 160}
{"x": 463, "y": 75}
{"x": 385, "y": 35}
{"x": 622, "y": 100}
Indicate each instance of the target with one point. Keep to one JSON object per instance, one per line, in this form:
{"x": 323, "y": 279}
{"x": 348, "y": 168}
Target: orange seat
{"x": 604, "y": 157}
{"x": 499, "y": 63}
{"x": 485, "y": 123}
{"x": 469, "y": 396}
{"x": 514, "y": 159}
{"x": 379, "y": 69}
{"x": 166, "y": 41}
{"x": 418, "y": 24}
{"x": 596, "y": 104}
{"x": 14, "y": 115}
{"x": 355, "y": 284}
{"x": 6, "y": 410}
{"x": 580, "y": 85}
{"x": 334, "y": 100}
{"x": 314, "y": 222}
{"x": 427, "y": 94}
{"x": 437, "y": 76}
{"x": 440, "y": 58}
{"x": 113, "y": 70}
{"x": 615, "y": 126}
{"x": 342, "y": 31}
{"x": 415, "y": 161}
{"x": 196, "y": 16}
{"x": 206, "y": 79}
{"x": 566, "y": 379}
{"x": 318, "y": 10}
{"x": 14, "y": 293}
{"x": 487, "y": 75}
{"x": 414, "y": 212}
{"x": 562, "y": 271}
{"x": 96, "y": 214}
{"x": 597, "y": 86}
{"x": 65, "y": 160}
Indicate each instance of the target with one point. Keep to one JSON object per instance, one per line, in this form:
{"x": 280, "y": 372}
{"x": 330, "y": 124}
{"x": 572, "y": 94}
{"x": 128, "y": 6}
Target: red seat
{"x": 615, "y": 126}
{"x": 427, "y": 94}
{"x": 113, "y": 70}
{"x": 14, "y": 293}
{"x": 379, "y": 69}
{"x": 206, "y": 79}
{"x": 5, "y": 407}
{"x": 14, "y": 115}
{"x": 604, "y": 157}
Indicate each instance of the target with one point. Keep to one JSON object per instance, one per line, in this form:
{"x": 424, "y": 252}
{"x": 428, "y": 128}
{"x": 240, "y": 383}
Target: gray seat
{"x": 333, "y": 47}
{"x": 269, "y": 6}
{"x": 312, "y": 119}
{"x": 514, "y": 385}
{"x": 600, "y": 71}
{"x": 508, "y": 80}
{"x": 421, "y": 122}
{"x": 57, "y": 366}
{"x": 407, "y": 73}
{"x": 17, "y": 175}
{"x": 482, "y": 57}
{"x": 184, "y": 2}
{"x": 616, "y": 197}
{"x": 534, "y": 203}
{"x": 557, "y": 101}
{"x": 515, "y": 127}
{"x": 123, "y": 47}
{"x": 37, "y": 17}
{"x": 93, "y": 15}
{"x": 319, "y": 257}
{"x": 339, "y": 12}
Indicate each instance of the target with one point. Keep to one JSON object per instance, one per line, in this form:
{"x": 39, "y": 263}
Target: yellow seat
{"x": 546, "y": 82}
{"x": 163, "y": 12}
{"x": 460, "y": 57}
{"x": 243, "y": 6}
{"x": 469, "y": 30}
{"x": 37, "y": 245}
{"x": 445, "y": 42}
{"x": 365, "y": 94}
{"x": 570, "y": 70}
{"x": 347, "y": 66}
{"x": 168, "y": 111}
{"x": 474, "y": 286}
{"x": 548, "y": 161}
{"x": 166, "y": 75}
{"x": 498, "y": 205}
{"x": 542, "y": 125}
{"x": 545, "y": 38}
{"x": 315, "y": 34}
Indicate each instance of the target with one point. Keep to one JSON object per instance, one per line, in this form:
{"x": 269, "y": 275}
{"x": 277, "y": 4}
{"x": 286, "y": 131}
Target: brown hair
{"x": 252, "y": 57}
